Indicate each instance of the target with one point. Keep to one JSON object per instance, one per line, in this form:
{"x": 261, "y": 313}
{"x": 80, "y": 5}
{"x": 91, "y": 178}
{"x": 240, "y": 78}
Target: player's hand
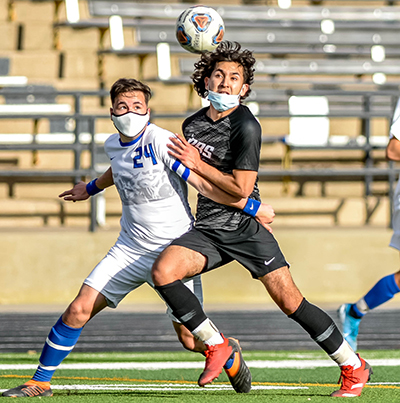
{"x": 265, "y": 215}
{"x": 184, "y": 152}
{"x": 77, "y": 193}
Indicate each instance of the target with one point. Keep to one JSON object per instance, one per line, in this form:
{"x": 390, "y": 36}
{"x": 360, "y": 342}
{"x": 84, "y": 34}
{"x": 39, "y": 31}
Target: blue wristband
{"x": 92, "y": 189}
{"x": 252, "y": 207}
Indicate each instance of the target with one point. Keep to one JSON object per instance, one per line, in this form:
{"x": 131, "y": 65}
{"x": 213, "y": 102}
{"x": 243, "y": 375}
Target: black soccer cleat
{"x": 28, "y": 390}
{"x": 237, "y": 370}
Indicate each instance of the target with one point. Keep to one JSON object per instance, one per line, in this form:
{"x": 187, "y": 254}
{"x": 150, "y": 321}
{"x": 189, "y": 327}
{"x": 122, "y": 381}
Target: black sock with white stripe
{"x": 319, "y": 325}
{"x": 184, "y": 304}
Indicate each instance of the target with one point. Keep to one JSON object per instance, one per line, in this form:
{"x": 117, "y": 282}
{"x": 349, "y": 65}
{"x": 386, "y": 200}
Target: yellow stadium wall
{"x": 45, "y": 268}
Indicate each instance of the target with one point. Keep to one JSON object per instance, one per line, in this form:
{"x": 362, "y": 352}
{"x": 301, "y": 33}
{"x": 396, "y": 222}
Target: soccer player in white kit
{"x": 155, "y": 210}
{"x": 387, "y": 287}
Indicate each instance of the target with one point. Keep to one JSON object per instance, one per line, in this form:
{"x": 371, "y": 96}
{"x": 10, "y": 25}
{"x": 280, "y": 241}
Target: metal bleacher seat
{"x": 4, "y": 66}
{"x": 39, "y": 100}
{"x": 334, "y": 66}
{"x": 33, "y": 102}
{"x": 308, "y": 130}
{"x": 322, "y": 30}
{"x": 5, "y": 79}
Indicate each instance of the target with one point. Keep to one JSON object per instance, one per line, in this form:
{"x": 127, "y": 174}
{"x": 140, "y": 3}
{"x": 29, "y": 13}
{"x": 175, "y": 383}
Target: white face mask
{"x": 130, "y": 124}
{"x": 223, "y": 102}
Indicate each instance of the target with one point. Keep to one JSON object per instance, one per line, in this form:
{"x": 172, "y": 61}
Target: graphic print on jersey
{"x": 155, "y": 208}
{"x": 141, "y": 186}
{"x": 204, "y": 149}
{"x": 232, "y": 142}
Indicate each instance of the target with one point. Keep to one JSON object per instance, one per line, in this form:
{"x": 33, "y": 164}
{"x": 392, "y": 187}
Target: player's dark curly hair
{"x": 124, "y": 85}
{"x": 226, "y": 51}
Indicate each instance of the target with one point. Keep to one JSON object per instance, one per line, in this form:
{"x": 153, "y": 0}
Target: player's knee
{"x": 77, "y": 314}
{"x": 290, "y": 306}
{"x": 158, "y": 276}
{"x": 161, "y": 271}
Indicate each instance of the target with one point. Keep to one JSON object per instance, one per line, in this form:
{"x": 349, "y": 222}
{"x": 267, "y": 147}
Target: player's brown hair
{"x": 124, "y": 85}
{"x": 226, "y": 51}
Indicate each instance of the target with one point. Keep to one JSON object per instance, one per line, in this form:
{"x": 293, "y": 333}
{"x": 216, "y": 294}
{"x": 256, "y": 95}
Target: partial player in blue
{"x": 386, "y": 288}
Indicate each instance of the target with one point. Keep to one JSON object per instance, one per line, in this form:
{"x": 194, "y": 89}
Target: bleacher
{"x": 54, "y": 108}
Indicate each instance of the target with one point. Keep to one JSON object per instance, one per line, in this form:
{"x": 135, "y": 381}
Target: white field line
{"x": 154, "y": 366}
{"x": 177, "y": 387}
{"x": 164, "y": 387}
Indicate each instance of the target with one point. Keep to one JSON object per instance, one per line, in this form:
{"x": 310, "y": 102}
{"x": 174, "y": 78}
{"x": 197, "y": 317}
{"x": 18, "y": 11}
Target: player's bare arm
{"x": 79, "y": 191}
{"x": 393, "y": 149}
{"x": 239, "y": 184}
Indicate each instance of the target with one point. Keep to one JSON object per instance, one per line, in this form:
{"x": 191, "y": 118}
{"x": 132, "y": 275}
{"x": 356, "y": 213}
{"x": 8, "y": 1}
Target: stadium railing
{"x": 83, "y": 138}
{"x": 363, "y": 105}
{"x": 88, "y": 140}
{"x": 362, "y": 150}
{"x": 302, "y": 176}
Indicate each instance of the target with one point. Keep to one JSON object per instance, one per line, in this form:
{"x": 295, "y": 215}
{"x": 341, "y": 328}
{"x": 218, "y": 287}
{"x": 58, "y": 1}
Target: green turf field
{"x": 302, "y": 376}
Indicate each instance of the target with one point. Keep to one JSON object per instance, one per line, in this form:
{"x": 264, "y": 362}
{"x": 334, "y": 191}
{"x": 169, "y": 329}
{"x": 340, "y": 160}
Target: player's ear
{"x": 244, "y": 90}
{"x": 111, "y": 112}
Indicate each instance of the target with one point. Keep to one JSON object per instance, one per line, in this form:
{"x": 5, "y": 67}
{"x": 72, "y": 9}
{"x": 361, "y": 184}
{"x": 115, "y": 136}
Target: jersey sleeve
{"x": 160, "y": 141}
{"x": 109, "y": 144}
{"x": 246, "y": 141}
{"x": 395, "y": 126}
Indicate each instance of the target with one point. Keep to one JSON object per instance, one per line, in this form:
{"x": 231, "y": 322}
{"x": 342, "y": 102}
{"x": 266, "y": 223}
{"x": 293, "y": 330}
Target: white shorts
{"x": 395, "y": 241}
{"x": 124, "y": 269}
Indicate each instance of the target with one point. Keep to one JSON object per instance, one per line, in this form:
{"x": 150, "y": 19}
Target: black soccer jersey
{"x": 232, "y": 142}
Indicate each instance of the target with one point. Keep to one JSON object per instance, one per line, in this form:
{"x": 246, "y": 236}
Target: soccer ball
{"x": 199, "y": 29}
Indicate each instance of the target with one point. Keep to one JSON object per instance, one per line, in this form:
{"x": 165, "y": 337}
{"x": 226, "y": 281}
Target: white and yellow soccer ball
{"x": 199, "y": 29}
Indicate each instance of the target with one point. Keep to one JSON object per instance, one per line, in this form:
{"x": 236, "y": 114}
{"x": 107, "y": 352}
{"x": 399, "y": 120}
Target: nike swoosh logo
{"x": 252, "y": 206}
{"x": 269, "y": 261}
{"x": 111, "y": 158}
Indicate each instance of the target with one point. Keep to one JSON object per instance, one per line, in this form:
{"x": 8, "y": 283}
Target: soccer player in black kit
{"x": 222, "y": 143}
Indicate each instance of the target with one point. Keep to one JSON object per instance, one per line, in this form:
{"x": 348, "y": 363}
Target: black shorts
{"x": 251, "y": 245}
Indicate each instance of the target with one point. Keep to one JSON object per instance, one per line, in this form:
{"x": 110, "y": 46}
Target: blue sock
{"x": 382, "y": 291}
{"x": 59, "y": 343}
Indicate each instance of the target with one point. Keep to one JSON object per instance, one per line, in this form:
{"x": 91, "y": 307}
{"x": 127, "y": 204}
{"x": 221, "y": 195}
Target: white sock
{"x": 208, "y": 333}
{"x": 344, "y": 355}
{"x": 354, "y": 361}
{"x": 362, "y": 306}
{"x": 215, "y": 339}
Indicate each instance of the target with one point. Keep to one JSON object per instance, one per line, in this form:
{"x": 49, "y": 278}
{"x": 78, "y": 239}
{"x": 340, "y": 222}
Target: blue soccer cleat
{"x": 349, "y": 324}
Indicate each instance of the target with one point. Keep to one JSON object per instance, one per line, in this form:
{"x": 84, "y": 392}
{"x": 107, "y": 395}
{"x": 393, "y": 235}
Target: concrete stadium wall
{"x": 45, "y": 268}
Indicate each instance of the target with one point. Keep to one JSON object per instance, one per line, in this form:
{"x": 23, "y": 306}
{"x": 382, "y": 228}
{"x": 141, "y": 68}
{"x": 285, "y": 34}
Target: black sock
{"x": 184, "y": 304}
{"x": 319, "y": 325}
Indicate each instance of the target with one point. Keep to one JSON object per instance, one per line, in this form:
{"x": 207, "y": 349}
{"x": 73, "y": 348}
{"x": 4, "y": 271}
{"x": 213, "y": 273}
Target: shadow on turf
{"x": 173, "y": 394}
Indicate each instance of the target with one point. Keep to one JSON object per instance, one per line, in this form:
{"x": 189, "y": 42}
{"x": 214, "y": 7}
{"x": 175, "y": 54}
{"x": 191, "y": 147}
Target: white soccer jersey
{"x": 155, "y": 209}
{"x": 395, "y": 132}
{"x": 395, "y": 126}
